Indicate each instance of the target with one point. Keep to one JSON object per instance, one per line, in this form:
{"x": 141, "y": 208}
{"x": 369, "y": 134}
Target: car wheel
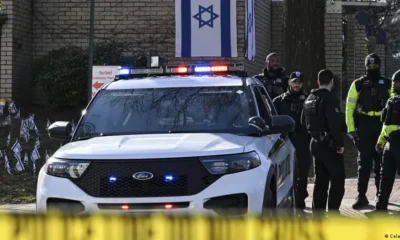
{"x": 269, "y": 206}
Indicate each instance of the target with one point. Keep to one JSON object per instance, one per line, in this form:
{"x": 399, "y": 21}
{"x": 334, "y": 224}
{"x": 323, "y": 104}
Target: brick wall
{"x": 22, "y": 51}
{"x": 333, "y": 47}
{"x": 277, "y": 34}
{"x": 6, "y": 48}
{"x": 16, "y": 51}
{"x": 350, "y": 52}
{"x": 149, "y": 24}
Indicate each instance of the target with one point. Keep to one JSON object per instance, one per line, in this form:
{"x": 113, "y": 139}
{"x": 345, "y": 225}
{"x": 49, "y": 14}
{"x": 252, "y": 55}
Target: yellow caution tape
{"x": 115, "y": 227}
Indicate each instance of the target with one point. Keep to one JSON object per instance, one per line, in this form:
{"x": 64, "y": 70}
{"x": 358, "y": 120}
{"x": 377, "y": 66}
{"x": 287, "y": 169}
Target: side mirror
{"x": 281, "y": 124}
{"x": 259, "y": 124}
{"x": 60, "y": 131}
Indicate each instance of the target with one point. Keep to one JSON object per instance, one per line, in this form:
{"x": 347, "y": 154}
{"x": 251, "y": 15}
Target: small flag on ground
{"x": 18, "y": 115}
{"x": 7, "y": 121}
{"x": 12, "y": 109}
{"x": 7, "y": 164}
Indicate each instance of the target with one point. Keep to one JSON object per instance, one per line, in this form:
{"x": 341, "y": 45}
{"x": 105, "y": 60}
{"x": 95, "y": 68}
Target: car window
{"x": 262, "y": 106}
{"x": 268, "y": 100}
{"x": 169, "y": 110}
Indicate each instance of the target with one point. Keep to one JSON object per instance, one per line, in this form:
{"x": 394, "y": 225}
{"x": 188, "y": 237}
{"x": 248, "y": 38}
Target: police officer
{"x": 366, "y": 98}
{"x": 291, "y": 103}
{"x": 390, "y": 140}
{"x": 273, "y": 76}
{"x": 322, "y": 118}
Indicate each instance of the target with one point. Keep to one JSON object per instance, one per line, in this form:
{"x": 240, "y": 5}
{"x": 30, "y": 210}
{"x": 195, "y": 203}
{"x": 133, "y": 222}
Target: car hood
{"x": 154, "y": 146}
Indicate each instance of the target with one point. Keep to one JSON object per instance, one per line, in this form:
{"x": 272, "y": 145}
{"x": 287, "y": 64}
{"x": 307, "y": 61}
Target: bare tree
{"x": 305, "y": 38}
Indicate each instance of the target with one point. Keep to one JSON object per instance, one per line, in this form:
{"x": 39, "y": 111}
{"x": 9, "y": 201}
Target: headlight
{"x": 231, "y": 163}
{"x": 66, "y": 168}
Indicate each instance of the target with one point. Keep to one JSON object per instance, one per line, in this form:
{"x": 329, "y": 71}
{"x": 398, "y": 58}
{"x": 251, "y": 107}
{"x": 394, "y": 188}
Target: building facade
{"x": 34, "y": 28}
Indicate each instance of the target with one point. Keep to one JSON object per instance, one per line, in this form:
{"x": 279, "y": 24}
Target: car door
{"x": 280, "y": 153}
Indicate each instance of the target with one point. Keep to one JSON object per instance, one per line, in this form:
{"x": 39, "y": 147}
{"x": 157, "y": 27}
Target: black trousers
{"x": 368, "y": 131}
{"x": 390, "y": 164}
{"x": 301, "y": 142}
{"x": 329, "y": 168}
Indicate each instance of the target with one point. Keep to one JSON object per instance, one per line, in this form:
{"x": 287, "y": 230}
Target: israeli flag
{"x": 250, "y": 31}
{"x": 205, "y": 28}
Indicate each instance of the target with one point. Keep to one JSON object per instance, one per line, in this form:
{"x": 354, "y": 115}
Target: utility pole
{"x": 91, "y": 43}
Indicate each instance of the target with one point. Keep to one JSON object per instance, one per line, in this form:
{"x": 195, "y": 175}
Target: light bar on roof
{"x": 182, "y": 69}
{"x": 147, "y": 71}
{"x": 220, "y": 68}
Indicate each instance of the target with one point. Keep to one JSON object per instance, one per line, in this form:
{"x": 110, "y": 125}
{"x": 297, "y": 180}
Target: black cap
{"x": 295, "y": 76}
{"x": 372, "y": 61}
{"x": 396, "y": 76}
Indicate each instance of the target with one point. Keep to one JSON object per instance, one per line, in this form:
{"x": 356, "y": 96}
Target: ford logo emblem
{"x": 143, "y": 176}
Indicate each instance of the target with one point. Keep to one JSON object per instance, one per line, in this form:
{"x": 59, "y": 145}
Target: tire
{"x": 269, "y": 205}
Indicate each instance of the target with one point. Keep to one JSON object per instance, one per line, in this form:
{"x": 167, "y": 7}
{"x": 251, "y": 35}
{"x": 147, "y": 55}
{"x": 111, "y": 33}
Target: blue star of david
{"x": 209, "y": 22}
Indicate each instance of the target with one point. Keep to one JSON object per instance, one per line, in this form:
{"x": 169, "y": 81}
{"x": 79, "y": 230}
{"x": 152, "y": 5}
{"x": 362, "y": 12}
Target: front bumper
{"x": 248, "y": 183}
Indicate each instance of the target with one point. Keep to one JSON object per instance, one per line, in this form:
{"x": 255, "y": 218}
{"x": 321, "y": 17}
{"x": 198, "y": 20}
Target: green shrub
{"x": 63, "y": 73}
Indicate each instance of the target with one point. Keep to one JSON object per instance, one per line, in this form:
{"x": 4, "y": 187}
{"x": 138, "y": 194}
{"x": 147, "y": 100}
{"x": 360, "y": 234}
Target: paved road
{"x": 350, "y": 195}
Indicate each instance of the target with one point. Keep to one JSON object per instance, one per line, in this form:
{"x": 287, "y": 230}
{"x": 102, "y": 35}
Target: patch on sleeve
{"x": 337, "y": 110}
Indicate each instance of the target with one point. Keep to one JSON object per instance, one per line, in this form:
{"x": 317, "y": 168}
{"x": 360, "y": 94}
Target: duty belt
{"x": 323, "y": 137}
{"x": 371, "y": 113}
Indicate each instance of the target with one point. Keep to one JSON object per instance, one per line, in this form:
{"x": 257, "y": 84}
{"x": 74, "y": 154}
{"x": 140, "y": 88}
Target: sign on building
{"x": 102, "y": 75}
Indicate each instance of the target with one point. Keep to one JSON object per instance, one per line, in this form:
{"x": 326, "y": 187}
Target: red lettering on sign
{"x": 105, "y": 72}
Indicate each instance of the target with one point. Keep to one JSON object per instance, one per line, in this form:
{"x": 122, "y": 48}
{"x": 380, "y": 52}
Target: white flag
{"x": 24, "y": 132}
{"x": 7, "y": 164}
{"x": 19, "y": 166}
{"x": 12, "y": 108}
{"x": 9, "y": 139}
{"x": 26, "y": 159}
{"x": 7, "y": 121}
{"x": 35, "y": 154}
{"x": 250, "y": 31}
{"x": 18, "y": 115}
{"x": 37, "y": 144}
{"x": 16, "y": 147}
{"x": 205, "y": 28}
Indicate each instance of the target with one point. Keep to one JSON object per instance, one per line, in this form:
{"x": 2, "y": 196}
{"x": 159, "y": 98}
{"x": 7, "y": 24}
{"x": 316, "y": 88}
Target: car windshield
{"x": 169, "y": 110}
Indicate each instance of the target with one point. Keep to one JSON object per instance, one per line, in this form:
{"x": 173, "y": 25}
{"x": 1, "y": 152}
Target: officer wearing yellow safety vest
{"x": 390, "y": 140}
{"x": 366, "y": 99}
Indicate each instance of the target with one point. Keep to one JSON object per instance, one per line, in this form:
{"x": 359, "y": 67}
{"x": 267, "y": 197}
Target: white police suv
{"x": 182, "y": 139}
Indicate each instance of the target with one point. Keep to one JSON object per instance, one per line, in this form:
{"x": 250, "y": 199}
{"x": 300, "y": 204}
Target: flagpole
{"x": 91, "y": 39}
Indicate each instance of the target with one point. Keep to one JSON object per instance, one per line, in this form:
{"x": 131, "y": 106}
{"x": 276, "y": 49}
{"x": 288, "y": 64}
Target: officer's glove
{"x": 354, "y": 135}
{"x": 340, "y": 150}
{"x": 379, "y": 148}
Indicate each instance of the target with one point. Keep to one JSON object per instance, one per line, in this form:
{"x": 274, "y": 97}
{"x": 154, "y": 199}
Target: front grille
{"x": 190, "y": 177}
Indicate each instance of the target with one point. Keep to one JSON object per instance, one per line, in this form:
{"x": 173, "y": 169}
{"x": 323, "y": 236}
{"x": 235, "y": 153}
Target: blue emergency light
{"x": 124, "y": 71}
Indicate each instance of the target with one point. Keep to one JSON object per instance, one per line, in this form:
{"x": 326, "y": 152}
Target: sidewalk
{"x": 351, "y": 194}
